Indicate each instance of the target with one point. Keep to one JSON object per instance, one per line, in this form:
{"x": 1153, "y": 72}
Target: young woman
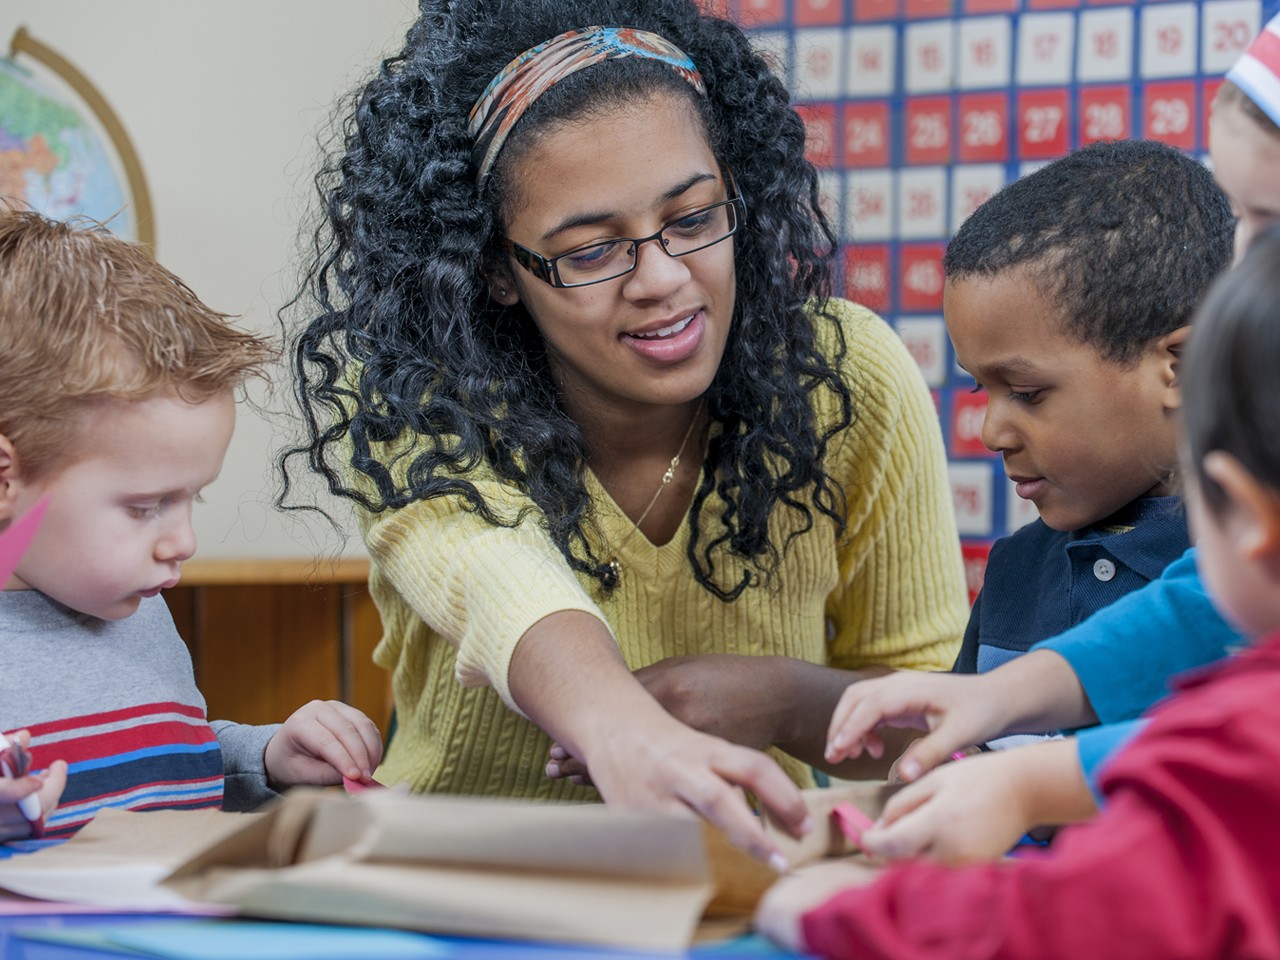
{"x": 576, "y": 364}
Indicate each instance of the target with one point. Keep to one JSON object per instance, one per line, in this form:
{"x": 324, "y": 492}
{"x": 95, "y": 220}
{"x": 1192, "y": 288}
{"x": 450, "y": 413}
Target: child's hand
{"x": 47, "y": 785}
{"x": 1034, "y": 693}
{"x": 978, "y": 808}
{"x": 779, "y": 912}
{"x": 956, "y": 709}
{"x": 322, "y": 742}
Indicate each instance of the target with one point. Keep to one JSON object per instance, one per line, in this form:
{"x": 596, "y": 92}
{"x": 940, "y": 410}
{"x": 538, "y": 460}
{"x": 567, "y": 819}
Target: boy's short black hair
{"x": 1126, "y": 235}
{"x": 1231, "y": 392}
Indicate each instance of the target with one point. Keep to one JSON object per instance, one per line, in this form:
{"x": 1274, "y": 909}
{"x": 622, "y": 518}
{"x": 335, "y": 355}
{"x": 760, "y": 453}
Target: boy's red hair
{"x": 86, "y": 316}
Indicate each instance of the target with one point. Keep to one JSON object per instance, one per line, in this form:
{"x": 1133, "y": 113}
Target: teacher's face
{"x": 653, "y": 336}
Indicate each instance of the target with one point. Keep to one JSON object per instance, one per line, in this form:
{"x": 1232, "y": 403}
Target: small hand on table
{"x": 784, "y": 905}
{"x": 47, "y": 785}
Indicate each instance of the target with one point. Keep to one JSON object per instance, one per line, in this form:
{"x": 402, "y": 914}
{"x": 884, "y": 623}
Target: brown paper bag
{"x": 479, "y": 867}
{"x": 826, "y": 839}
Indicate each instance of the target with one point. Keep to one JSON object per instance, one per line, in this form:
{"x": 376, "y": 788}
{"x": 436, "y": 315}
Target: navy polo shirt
{"x": 1040, "y": 581}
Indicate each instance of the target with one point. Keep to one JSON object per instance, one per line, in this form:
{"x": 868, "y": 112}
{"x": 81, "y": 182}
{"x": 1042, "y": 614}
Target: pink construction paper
{"x": 852, "y": 821}
{"x": 17, "y": 537}
{"x": 357, "y": 786}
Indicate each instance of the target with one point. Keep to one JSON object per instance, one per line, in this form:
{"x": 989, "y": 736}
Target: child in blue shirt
{"x": 1069, "y": 296}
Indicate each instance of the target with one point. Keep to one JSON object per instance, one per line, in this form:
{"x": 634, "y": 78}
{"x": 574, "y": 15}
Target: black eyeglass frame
{"x": 545, "y": 269}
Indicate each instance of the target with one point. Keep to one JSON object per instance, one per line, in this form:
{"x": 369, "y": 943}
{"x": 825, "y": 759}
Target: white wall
{"x": 223, "y": 101}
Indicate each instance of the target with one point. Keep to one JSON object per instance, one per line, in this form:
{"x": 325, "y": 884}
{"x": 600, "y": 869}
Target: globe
{"x": 52, "y": 159}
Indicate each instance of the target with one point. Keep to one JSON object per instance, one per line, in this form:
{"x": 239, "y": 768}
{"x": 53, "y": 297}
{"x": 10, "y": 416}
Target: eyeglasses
{"x": 610, "y": 259}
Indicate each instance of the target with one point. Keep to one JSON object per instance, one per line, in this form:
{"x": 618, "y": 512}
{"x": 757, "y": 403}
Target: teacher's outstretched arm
{"x": 567, "y": 675}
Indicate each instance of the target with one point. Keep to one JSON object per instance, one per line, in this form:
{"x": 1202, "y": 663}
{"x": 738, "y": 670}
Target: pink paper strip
{"x": 359, "y": 786}
{"x": 15, "y": 540}
{"x": 852, "y": 821}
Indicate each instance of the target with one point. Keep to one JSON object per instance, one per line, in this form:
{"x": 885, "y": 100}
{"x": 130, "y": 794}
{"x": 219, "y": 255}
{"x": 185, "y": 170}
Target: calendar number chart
{"x": 916, "y": 111}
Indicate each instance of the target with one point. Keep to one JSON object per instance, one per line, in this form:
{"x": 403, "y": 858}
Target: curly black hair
{"x": 1125, "y": 235}
{"x": 402, "y": 340}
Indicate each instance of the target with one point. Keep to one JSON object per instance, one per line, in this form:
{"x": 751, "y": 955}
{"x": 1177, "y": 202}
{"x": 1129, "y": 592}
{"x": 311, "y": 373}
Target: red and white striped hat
{"x": 1257, "y": 72}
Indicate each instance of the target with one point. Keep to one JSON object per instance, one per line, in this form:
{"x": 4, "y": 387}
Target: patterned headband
{"x": 1257, "y": 72}
{"x": 534, "y": 72}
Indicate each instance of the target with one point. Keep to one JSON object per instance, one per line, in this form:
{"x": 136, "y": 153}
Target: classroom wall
{"x": 223, "y": 102}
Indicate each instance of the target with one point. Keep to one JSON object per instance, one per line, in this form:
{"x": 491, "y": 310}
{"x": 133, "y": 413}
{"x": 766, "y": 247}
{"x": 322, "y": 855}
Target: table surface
{"x": 15, "y": 946}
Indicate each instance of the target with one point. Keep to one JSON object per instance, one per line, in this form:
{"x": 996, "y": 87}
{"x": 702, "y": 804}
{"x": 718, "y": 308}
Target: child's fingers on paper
{"x": 11, "y": 791}
{"x": 52, "y": 782}
{"x": 906, "y": 838}
{"x": 930, "y": 751}
{"x": 780, "y": 910}
{"x": 350, "y": 748}
{"x": 892, "y": 700}
{"x": 907, "y": 799}
{"x": 910, "y": 829}
{"x": 358, "y": 733}
{"x": 842, "y": 739}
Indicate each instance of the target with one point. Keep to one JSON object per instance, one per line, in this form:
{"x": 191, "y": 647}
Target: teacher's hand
{"x": 568, "y": 677}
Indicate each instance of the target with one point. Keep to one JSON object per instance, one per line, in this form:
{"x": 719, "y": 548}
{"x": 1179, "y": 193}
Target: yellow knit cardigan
{"x": 456, "y": 594}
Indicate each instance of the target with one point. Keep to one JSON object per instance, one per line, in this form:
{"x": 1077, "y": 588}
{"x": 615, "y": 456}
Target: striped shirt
{"x": 117, "y": 701}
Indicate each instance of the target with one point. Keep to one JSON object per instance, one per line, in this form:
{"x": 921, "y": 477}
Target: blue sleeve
{"x": 1097, "y": 745}
{"x": 1124, "y": 653}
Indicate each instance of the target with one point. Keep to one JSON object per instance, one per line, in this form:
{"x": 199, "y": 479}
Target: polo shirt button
{"x": 1104, "y": 570}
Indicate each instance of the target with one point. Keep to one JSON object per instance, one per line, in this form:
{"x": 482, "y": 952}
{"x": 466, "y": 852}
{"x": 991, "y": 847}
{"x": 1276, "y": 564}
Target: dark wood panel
{"x": 182, "y": 603}
{"x": 370, "y": 685}
{"x": 266, "y": 650}
{"x": 262, "y": 650}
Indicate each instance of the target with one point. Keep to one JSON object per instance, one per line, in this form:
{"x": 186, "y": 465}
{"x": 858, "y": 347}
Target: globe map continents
{"x": 51, "y": 159}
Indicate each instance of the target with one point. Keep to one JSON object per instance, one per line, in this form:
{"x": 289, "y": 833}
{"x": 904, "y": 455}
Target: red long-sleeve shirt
{"x": 1184, "y": 861}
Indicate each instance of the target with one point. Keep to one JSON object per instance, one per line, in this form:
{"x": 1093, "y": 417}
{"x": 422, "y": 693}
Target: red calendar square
{"x": 716, "y": 8}
{"x": 975, "y": 554}
{"x": 866, "y": 11}
{"x": 817, "y": 13}
{"x": 928, "y": 9}
{"x": 990, "y": 6}
{"x": 968, "y": 411}
{"x": 866, "y": 134}
{"x": 1104, "y": 3}
{"x": 920, "y": 276}
{"x": 1105, "y": 114}
{"x": 927, "y": 130}
{"x": 761, "y": 13}
{"x": 1208, "y": 92}
{"x": 866, "y": 275}
{"x": 1052, "y": 4}
{"x": 984, "y": 127}
{"x": 819, "y": 133}
{"x": 1168, "y": 113}
{"x": 1042, "y": 124}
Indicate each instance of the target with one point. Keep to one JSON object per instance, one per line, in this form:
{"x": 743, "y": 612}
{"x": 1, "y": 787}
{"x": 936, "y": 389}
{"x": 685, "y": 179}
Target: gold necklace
{"x": 613, "y": 570}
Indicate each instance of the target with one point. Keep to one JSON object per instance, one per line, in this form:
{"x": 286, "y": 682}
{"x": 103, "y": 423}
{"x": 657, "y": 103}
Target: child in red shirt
{"x": 1185, "y": 859}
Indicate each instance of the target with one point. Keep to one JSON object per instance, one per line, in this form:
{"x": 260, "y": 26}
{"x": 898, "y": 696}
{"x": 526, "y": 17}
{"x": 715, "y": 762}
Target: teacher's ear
{"x": 502, "y": 285}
